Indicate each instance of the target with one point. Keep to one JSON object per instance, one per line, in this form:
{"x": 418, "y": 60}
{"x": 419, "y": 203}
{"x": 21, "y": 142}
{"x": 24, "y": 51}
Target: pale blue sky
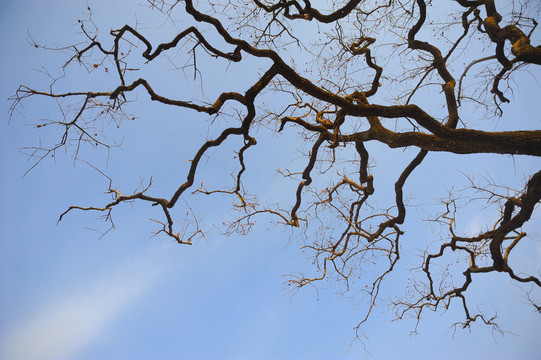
{"x": 65, "y": 294}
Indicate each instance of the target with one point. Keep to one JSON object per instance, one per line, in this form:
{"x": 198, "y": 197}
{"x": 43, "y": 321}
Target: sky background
{"x": 66, "y": 293}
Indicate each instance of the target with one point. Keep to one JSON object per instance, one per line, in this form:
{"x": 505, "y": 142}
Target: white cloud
{"x": 68, "y": 326}
{"x": 475, "y": 226}
{"x": 481, "y": 221}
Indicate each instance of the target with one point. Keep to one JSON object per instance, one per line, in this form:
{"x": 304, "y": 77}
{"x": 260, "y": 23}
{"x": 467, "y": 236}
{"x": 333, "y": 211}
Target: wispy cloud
{"x": 475, "y": 226}
{"x": 65, "y": 328}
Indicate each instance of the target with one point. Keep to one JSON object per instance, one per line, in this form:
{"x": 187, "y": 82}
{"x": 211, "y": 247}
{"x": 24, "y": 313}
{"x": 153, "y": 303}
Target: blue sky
{"x": 65, "y": 293}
